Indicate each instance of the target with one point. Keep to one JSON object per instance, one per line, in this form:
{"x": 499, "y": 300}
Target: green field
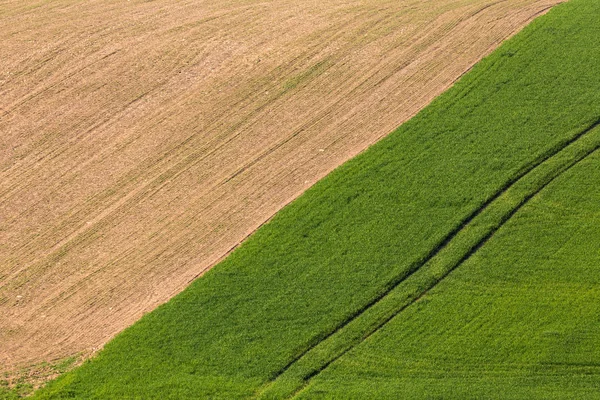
{"x": 518, "y": 320}
{"x": 457, "y": 258}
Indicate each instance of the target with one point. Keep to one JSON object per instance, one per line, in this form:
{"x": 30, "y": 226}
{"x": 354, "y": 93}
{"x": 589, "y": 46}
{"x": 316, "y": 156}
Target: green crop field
{"x": 457, "y": 258}
{"x": 517, "y": 320}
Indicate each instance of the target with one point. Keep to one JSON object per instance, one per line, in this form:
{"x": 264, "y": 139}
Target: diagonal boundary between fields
{"x": 443, "y": 244}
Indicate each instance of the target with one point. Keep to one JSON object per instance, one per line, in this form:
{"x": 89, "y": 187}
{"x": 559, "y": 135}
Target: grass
{"x": 19, "y": 390}
{"x": 518, "y": 319}
{"x": 22, "y": 383}
{"x": 466, "y": 241}
{"x": 324, "y": 262}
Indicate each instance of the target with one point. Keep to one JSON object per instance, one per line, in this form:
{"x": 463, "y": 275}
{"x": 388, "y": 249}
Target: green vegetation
{"x": 517, "y": 320}
{"x": 378, "y": 248}
{"x": 470, "y": 238}
{"x": 18, "y": 391}
{"x": 22, "y": 383}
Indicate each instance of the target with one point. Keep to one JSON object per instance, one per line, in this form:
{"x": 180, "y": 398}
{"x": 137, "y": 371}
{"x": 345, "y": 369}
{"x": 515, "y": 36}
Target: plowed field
{"x": 141, "y": 141}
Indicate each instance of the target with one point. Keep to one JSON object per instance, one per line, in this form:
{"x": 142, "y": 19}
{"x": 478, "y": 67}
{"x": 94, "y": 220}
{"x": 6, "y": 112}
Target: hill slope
{"x": 141, "y": 141}
{"x": 354, "y": 250}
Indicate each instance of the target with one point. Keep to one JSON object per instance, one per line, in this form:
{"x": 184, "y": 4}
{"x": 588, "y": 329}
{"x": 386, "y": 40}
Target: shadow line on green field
{"x": 494, "y": 213}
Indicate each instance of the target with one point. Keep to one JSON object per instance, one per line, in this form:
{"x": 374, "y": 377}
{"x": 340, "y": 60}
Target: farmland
{"x": 456, "y": 258}
{"x": 517, "y": 320}
{"x": 142, "y": 141}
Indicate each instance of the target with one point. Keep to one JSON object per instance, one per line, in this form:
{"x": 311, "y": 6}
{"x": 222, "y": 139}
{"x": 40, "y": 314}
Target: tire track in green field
{"x": 454, "y": 249}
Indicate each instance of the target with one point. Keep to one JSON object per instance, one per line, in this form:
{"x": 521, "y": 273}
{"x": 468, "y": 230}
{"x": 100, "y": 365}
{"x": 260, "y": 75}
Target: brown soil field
{"x": 141, "y": 141}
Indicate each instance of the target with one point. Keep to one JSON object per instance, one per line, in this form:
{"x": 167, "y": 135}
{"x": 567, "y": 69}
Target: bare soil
{"x": 140, "y": 141}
